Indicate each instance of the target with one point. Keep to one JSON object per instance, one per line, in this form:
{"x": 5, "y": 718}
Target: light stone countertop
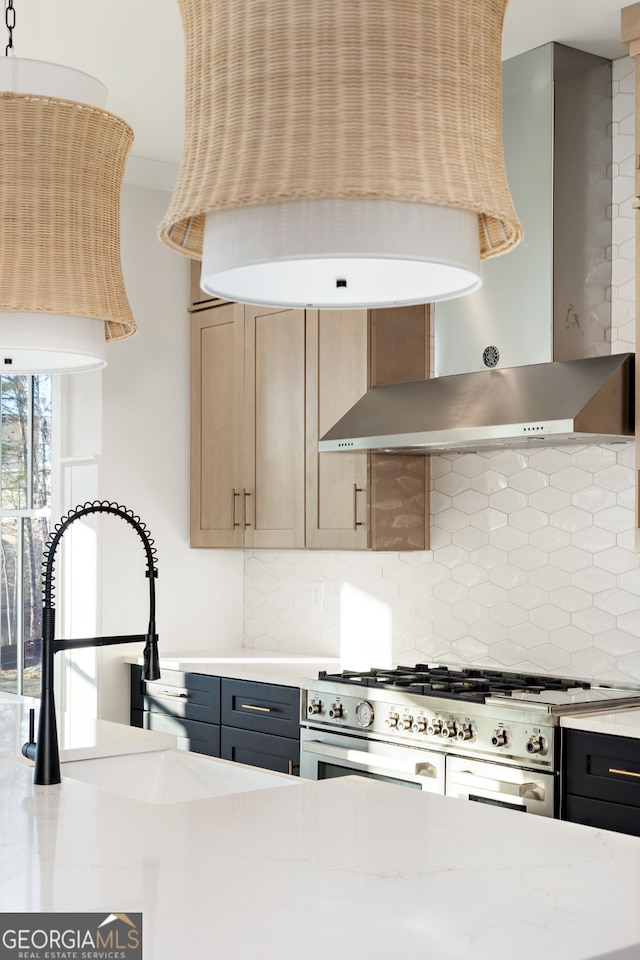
{"x": 263, "y": 666}
{"x": 620, "y": 723}
{"x": 347, "y": 868}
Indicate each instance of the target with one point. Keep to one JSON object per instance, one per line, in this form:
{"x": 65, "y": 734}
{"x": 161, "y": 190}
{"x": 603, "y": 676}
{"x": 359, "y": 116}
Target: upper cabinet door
{"x": 217, "y": 375}
{"x": 337, "y": 376}
{"x": 274, "y": 427}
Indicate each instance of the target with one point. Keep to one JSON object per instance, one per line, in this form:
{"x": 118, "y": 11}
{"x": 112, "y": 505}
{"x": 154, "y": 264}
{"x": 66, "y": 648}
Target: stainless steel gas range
{"x": 485, "y": 735}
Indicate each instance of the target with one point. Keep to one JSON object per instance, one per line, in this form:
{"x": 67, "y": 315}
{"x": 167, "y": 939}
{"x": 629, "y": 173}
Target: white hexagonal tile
{"x": 365, "y": 571}
{"x": 630, "y": 665}
{"x": 593, "y": 621}
{"x": 469, "y": 611}
{"x": 468, "y": 464}
{"x": 416, "y": 590}
{"x": 293, "y": 585}
{"x": 488, "y": 631}
{"x": 253, "y": 567}
{"x": 383, "y": 589}
{"x": 451, "y": 484}
{"x": 549, "y": 539}
{"x": 593, "y": 499}
{"x": 593, "y": 457}
{"x": 433, "y": 609}
{"x": 507, "y": 653}
{"x": 529, "y": 635}
{"x": 451, "y": 556}
{"x": 527, "y": 596}
{"x": 488, "y": 594}
{"x": 451, "y": 592}
{"x": 571, "y": 479}
{"x": 280, "y": 568}
{"x": 549, "y": 617}
{"x": 507, "y": 576}
{"x": 528, "y": 558}
{"x": 615, "y": 518}
{"x": 470, "y": 502}
{"x": 570, "y": 639}
{"x": 293, "y": 616}
{"x": 593, "y": 661}
{"x": 549, "y": 658}
{"x": 593, "y": 580}
{"x": 616, "y": 643}
{"x": 627, "y": 498}
{"x": 570, "y": 559}
{"x": 439, "y": 465}
{"x": 508, "y": 614}
{"x": 570, "y": 598}
{"x": 469, "y": 574}
{"x": 630, "y": 580}
{"x": 508, "y": 500}
{"x": 470, "y": 538}
{"x": 571, "y": 519}
{"x": 435, "y": 573}
{"x": 489, "y": 482}
{"x": 594, "y": 539}
{"x": 615, "y": 477}
{"x": 489, "y": 519}
{"x": 336, "y": 570}
{"x": 617, "y": 602}
{"x": 254, "y": 598}
{"x": 450, "y": 629}
{"x": 488, "y": 556}
{"x": 253, "y": 628}
{"x": 432, "y": 647}
{"x": 439, "y": 502}
{"x": 528, "y": 519}
{"x": 266, "y": 614}
{"x": 469, "y": 649}
{"x": 630, "y": 622}
{"x": 550, "y": 499}
{"x": 550, "y": 460}
{"x": 265, "y": 583}
{"x": 508, "y": 462}
{"x": 508, "y": 538}
{"x": 529, "y": 480}
{"x": 549, "y": 578}
{"x": 438, "y": 537}
{"x": 392, "y": 569}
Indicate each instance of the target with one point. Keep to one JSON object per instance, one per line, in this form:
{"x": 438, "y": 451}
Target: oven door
{"x": 324, "y": 755}
{"x": 529, "y": 791}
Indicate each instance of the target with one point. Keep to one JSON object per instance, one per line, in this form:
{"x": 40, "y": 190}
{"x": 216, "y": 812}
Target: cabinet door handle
{"x": 245, "y": 494}
{"x": 624, "y": 773}
{"x": 252, "y": 706}
{"x": 169, "y": 693}
{"x": 290, "y": 768}
{"x": 234, "y": 494}
{"x": 356, "y": 490}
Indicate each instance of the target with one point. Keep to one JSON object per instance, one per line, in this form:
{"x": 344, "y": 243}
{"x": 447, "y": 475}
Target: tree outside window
{"x": 25, "y": 512}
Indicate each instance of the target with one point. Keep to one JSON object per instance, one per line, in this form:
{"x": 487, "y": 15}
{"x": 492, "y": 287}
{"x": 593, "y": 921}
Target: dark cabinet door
{"x": 263, "y": 707}
{"x": 601, "y": 781}
{"x": 190, "y": 734}
{"x": 281, "y": 754}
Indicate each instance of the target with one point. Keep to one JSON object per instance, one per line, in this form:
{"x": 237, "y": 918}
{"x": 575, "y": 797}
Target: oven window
{"x": 327, "y": 771}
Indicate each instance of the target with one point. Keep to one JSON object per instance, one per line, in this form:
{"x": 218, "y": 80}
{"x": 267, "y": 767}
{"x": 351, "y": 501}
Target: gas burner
{"x": 458, "y": 683}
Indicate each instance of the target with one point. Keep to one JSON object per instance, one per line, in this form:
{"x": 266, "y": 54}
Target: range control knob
{"x": 314, "y": 707}
{"x": 499, "y": 738}
{"x": 536, "y": 745}
{"x": 434, "y": 728}
{"x": 336, "y": 711}
{"x": 465, "y": 732}
{"x": 392, "y": 720}
{"x": 448, "y": 730}
{"x": 419, "y": 725}
{"x": 405, "y": 722}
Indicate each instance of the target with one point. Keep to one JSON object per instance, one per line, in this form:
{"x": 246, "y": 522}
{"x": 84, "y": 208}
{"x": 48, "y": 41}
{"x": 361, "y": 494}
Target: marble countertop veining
{"x": 347, "y": 868}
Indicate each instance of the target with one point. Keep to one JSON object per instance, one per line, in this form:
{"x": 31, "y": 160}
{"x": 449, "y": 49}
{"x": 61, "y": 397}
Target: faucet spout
{"x": 46, "y": 751}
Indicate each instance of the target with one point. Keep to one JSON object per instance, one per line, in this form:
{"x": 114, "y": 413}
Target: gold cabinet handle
{"x": 624, "y": 773}
{"x": 356, "y": 490}
{"x": 234, "y": 494}
{"x": 252, "y": 706}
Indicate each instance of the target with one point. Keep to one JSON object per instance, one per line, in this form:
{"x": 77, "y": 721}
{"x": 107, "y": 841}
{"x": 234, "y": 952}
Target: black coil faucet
{"x": 45, "y": 750}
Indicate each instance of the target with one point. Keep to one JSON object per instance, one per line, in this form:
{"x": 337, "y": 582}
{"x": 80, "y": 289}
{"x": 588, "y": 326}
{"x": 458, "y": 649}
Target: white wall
{"x": 532, "y": 564}
{"x": 145, "y": 466}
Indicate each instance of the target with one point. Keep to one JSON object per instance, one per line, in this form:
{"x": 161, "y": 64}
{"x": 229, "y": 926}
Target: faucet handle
{"x": 29, "y": 748}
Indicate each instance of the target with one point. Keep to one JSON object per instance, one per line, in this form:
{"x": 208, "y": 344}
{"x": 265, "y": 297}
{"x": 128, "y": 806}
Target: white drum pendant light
{"x": 342, "y": 153}
{"x": 62, "y": 293}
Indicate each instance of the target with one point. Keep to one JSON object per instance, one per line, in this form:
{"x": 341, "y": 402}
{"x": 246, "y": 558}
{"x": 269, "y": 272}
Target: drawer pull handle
{"x": 624, "y": 773}
{"x": 252, "y": 706}
{"x": 169, "y": 693}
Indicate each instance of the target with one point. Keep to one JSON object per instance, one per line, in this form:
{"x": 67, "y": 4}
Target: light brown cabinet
{"x": 266, "y": 383}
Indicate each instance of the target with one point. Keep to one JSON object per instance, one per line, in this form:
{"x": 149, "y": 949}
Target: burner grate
{"x": 460, "y": 683}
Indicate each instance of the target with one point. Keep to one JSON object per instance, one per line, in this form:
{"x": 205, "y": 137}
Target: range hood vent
{"x": 586, "y": 401}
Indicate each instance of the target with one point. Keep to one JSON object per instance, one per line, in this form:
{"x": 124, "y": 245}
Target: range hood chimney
{"x": 526, "y": 359}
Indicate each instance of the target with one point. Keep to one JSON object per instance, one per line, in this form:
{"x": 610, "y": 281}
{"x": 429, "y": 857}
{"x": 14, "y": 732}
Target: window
{"x": 25, "y": 512}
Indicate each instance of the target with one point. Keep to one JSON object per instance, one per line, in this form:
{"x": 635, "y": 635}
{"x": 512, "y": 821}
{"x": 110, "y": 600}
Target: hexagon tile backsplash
{"x": 532, "y": 565}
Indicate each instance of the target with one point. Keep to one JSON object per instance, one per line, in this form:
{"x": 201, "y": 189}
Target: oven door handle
{"x": 464, "y": 778}
{"x": 318, "y": 748}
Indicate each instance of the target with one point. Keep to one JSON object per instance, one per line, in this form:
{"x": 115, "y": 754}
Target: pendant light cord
{"x": 10, "y": 20}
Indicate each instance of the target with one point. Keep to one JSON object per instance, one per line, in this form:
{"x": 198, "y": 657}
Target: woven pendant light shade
{"x": 348, "y": 150}
{"x": 62, "y": 293}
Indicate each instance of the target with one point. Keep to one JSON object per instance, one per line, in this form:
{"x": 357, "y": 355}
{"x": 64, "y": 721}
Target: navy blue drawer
{"x": 262, "y": 707}
{"x": 260, "y": 750}
{"x": 191, "y": 734}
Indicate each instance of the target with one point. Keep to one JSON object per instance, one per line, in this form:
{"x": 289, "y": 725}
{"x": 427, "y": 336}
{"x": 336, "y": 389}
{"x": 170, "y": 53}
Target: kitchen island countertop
{"x": 617, "y": 723}
{"x": 344, "y": 868}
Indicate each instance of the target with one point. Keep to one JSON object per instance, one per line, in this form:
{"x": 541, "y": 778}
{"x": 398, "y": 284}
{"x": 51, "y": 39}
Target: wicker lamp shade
{"x": 349, "y": 151}
{"x": 62, "y": 293}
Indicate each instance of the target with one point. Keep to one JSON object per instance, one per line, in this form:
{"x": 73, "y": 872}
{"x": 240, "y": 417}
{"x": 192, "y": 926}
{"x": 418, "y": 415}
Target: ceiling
{"x": 136, "y": 48}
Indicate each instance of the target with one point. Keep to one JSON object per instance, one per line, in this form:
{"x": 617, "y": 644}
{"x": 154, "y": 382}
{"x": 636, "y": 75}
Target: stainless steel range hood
{"x": 585, "y": 401}
{"x": 526, "y": 360}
